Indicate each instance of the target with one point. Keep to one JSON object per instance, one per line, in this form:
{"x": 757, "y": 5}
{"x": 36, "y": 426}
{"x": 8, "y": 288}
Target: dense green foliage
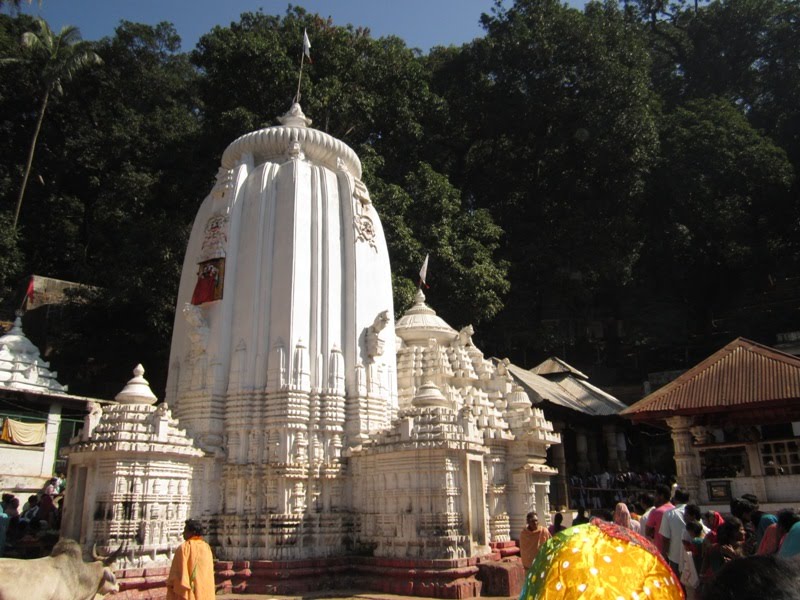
{"x": 616, "y": 185}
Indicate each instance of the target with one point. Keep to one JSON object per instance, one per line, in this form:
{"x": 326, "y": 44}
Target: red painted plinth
{"x": 505, "y": 549}
{"x": 502, "y": 578}
{"x": 445, "y": 579}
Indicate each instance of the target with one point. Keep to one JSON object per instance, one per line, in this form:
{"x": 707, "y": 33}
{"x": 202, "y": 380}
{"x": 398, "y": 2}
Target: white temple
{"x": 21, "y": 364}
{"x": 316, "y": 426}
{"x": 31, "y": 405}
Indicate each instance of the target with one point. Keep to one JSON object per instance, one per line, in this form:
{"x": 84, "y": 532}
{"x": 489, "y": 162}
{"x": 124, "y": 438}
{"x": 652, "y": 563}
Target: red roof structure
{"x": 744, "y": 382}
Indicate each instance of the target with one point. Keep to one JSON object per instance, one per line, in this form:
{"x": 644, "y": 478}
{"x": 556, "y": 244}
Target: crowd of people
{"x": 25, "y": 526}
{"x": 699, "y": 544}
{"x": 707, "y": 550}
{"x": 597, "y": 490}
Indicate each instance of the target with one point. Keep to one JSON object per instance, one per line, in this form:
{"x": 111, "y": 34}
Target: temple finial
{"x": 295, "y": 117}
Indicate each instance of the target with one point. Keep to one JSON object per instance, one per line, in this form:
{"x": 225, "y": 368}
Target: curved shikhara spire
{"x": 283, "y": 352}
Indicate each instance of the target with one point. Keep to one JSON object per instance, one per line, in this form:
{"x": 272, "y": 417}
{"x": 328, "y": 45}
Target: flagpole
{"x": 305, "y": 52}
{"x": 300, "y": 78}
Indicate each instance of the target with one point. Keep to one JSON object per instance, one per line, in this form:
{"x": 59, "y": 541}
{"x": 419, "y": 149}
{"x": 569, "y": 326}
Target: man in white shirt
{"x": 673, "y": 526}
{"x": 647, "y": 502}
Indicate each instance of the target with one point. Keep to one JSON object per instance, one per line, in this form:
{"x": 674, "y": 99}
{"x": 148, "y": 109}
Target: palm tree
{"x": 58, "y": 57}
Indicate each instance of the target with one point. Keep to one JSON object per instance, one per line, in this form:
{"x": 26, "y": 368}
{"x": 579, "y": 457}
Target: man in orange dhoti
{"x": 191, "y": 576}
{"x": 531, "y": 539}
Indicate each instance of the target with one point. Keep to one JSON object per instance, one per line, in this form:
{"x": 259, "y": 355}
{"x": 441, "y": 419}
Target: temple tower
{"x": 283, "y": 346}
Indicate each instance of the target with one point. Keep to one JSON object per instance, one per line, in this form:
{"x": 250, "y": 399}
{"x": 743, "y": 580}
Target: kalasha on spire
{"x": 295, "y": 117}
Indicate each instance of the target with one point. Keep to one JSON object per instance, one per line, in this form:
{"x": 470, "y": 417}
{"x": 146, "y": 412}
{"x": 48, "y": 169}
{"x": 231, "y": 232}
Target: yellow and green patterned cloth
{"x": 600, "y": 561}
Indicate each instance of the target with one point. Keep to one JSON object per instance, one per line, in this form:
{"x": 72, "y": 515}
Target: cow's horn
{"x": 114, "y": 555}
{"x": 95, "y": 555}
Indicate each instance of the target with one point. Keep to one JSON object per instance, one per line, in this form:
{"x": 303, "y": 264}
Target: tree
{"x": 426, "y": 215}
{"x": 57, "y": 59}
{"x": 11, "y": 259}
{"x": 125, "y": 156}
{"x": 358, "y": 89}
{"x": 719, "y": 222}
{"x": 119, "y": 163}
{"x": 555, "y": 125}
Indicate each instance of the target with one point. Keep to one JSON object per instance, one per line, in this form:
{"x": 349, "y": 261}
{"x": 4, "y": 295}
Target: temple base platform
{"x": 499, "y": 573}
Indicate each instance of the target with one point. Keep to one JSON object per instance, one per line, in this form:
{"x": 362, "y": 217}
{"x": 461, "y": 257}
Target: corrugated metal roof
{"x": 738, "y": 376}
{"x": 555, "y": 365}
{"x": 576, "y": 395}
{"x": 601, "y": 402}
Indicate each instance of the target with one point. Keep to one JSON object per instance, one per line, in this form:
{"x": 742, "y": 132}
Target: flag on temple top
{"x": 307, "y": 47}
{"x": 30, "y": 290}
{"x": 423, "y": 272}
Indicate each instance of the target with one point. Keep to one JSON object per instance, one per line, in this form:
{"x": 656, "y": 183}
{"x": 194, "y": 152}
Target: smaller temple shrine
{"x": 35, "y": 412}
{"x": 131, "y": 473}
{"x": 465, "y": 459}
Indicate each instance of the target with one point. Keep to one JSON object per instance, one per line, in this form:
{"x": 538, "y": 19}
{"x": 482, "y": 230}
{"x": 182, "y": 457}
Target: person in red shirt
{"x": 653, "y": 524}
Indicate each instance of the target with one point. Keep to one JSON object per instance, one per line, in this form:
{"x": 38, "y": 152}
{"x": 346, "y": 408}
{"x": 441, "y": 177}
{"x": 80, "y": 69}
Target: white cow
{"x": 61, "y": 576}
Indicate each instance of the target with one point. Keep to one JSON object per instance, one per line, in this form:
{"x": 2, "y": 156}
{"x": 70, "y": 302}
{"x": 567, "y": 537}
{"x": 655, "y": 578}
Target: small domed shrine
{"x": 131, "y": 473}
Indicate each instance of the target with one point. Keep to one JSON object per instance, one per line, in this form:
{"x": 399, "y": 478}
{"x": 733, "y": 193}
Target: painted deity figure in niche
{"x": 211, "y": 265}
{"x": 215, "y": 237}
{"x": 210, "y": 276}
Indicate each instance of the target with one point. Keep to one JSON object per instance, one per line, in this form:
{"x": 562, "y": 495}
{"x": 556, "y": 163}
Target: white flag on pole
{"x": 423, "y": 272}
{"x": 306, "y": 46}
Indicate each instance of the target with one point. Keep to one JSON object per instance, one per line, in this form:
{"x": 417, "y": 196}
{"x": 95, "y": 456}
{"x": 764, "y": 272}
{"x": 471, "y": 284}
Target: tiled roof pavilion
{"x": 744, "y": 382}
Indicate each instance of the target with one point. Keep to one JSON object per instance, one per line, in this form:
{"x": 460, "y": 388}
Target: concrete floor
{"x": 338, "y": 595}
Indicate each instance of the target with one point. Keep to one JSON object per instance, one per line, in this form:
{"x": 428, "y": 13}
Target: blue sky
{"x": 421, "y": 23}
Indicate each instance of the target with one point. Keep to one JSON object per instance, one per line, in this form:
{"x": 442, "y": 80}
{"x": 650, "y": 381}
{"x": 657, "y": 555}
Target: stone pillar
{"x": 541, "y": 494}
{"x": 51, "y": 439}
{"x": 594, "y": 461}
{"x": 610, "y": 436}
{"x": 560, "y": 491}
{"x": 582, "y": 449}
{"x": 622, "y": 451}
{"x": 757, "y": 472}
{"x": 687, "y": 462}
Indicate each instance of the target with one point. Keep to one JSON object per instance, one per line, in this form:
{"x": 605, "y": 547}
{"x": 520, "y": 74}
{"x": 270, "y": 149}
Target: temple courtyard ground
{"x": 339, "y": 595}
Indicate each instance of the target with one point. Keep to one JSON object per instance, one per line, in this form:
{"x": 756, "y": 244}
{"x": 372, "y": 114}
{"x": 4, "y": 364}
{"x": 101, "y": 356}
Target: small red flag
{"x": 28, "y": 298}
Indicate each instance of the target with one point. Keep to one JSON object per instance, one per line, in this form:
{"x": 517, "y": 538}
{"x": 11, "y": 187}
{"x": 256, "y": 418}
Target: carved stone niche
{"x": 375, "y": 342}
